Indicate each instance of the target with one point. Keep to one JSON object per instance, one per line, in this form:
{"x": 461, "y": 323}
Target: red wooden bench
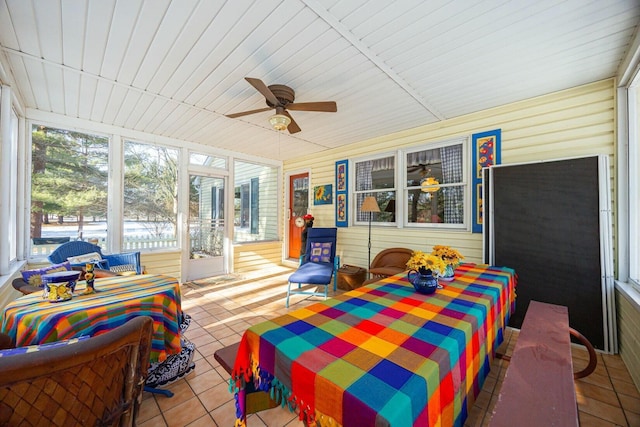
{"x": 538, "y": 387}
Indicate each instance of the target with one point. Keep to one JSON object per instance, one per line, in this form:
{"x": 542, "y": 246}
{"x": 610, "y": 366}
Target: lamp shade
{"x": 369, "y": 204}
{"x": 279, "y": 121}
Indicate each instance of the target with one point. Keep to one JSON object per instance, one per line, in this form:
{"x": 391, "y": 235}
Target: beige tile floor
{"x": 223, "y": 308}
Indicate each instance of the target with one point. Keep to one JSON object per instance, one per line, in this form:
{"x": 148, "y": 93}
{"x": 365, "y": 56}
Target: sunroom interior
{"x": 130, "y": 101}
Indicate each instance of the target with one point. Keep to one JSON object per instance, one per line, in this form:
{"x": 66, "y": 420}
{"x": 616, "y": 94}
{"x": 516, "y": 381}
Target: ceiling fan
{"x": 280, "y": 98}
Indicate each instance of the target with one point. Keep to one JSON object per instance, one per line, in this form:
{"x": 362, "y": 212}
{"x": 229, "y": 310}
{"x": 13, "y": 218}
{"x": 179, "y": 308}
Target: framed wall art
{"x": 485, "y": 148}
{"x": 323, "y": 194}
{"x": 342, "y": 194}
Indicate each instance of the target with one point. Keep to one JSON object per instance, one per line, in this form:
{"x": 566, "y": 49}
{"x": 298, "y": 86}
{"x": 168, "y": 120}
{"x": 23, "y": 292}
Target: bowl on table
{"x": 59, "y": 286}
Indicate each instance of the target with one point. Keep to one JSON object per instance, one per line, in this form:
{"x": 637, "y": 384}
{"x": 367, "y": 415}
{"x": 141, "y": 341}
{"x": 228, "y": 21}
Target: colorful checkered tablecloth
{"x": 31, "y": 320}
{"x": 382, "y": 354}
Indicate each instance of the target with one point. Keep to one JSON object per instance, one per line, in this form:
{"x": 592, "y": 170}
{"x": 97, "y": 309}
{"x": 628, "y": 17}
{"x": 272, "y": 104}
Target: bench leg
{"x": 593, "y": 359}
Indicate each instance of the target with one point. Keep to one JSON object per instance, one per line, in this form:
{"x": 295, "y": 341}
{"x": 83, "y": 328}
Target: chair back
{"x": 98, "y": 381}
{"x": 71, "y": 249}
{"x": 392, "y": 257}
{"x": 318, "y": 240}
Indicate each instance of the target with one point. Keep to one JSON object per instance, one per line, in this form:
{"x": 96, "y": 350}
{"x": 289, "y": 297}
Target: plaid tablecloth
{"x": 382, "y": 354}
{"x": 31, "y": 320}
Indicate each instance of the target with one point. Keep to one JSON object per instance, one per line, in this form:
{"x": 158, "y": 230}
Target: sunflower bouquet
{"x": 449, "y": 256}
{"x": 422, "y": 261}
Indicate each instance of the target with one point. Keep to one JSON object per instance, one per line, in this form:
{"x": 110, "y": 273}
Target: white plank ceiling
{"x": 175, "y": 68}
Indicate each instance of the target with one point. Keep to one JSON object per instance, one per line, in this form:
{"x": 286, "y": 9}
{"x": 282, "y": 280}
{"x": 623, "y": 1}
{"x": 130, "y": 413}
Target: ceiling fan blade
{"x": 246, "y": 113}
{"x": 263, "y": 89}
{"x": 293, "y": 126}
{"x": 327, "y": 106}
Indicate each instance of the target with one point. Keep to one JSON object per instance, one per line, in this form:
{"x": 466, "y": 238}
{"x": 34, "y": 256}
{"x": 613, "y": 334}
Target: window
{"x": 69, "y": 172}
{"x": 376, "y": 177}
{"x": 434, "y": 185}
{"x": 150, "y": 196}
{"x": 9, "y": 180}
{"x": 432, "y": 191}
{"x": 206, "y": 160}
{"x": 255, "y": 202}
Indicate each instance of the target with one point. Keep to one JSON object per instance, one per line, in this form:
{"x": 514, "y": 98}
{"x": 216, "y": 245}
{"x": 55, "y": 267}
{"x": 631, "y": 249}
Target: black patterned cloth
{"x": 175, "y": 366}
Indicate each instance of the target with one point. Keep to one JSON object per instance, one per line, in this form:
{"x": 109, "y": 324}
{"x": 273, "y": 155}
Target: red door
{"x": 298, "y": 205}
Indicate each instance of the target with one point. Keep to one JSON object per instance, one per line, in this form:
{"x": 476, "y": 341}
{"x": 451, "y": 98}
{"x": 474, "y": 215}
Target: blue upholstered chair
{"x": 318, "y": 265}
{"x": 119, "y": 263}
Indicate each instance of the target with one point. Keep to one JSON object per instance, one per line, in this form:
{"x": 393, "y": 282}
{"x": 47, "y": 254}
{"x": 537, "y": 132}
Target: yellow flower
{"x": 431, "y": 262}
{"x": 448, "y": 255}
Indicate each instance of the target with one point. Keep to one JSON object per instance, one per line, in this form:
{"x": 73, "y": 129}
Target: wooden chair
{"x": 97, "y": 381}
{"x": 387, "y": 263}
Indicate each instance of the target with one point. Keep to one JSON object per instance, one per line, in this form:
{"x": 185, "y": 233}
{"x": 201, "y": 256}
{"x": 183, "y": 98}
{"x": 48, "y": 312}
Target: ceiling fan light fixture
{"x": 279, "y": 121}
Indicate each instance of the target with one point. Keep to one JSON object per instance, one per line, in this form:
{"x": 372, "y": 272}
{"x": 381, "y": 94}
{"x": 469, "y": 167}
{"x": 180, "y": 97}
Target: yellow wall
{"x": 167, "y": 263}
{"x": 629, "y": 335}
{"x": 253, "y": 256}
{"x": 571, "y": 123}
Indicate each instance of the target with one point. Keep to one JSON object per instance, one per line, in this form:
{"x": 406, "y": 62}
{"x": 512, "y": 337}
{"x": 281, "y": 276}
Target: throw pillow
{"x": 83, "y": 259}
{"x": 47, "y": 346}
{"x": 34, "y": 277}
{"x": 123, "y": 268}
{"x": 320, "y": 252}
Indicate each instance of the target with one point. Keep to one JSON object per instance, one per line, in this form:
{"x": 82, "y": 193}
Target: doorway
{"x": 298, "y": 208}
{"x": 206, "y": 227}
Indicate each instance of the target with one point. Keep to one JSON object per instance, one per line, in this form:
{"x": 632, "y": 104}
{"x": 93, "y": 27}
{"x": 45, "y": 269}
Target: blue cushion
{"x": 34, "y": 277}
{"x": 47, "y": 346}
{"x": 313, "y": 274}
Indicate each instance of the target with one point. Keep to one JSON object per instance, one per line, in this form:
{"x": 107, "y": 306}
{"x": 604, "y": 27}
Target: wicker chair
{"x": 98, "y": 381}
{"x": 114, "y": 262}
{"x": 388, "y": 262}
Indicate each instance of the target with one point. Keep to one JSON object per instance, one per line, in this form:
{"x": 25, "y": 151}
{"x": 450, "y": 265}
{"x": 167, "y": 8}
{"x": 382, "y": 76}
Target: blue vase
{"x": 423, "y": 281}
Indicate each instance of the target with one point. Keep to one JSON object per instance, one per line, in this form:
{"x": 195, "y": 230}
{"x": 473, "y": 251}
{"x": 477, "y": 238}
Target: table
{"x": 31, "y": 320}
{"x": 382, "y": 354}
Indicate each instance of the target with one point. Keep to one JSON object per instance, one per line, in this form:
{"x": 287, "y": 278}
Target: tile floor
{"x": 223, "y": 308}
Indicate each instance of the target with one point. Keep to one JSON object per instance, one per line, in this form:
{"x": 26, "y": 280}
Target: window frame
{"x": 258, "y": 191}
{"x": 355, "y": 208}
{"x": 633, "y": 123}
{"x": 401, "y": 187}
{"x": 29, "y": 182}
{"x": 11, "y": 116}
{"x": 121, "y": 202}
{"x": 465, "y": 225}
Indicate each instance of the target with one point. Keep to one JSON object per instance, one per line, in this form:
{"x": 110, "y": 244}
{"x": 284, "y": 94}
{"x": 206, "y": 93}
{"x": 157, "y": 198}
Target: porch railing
{"x": 129, "y": 244}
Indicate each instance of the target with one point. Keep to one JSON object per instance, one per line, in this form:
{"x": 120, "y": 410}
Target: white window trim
{"x": 628, "y": 205}
{"x": 353, "y": 210}
{"x": 466, "y": 154}
{"x": 400, "y": 185}
{"x": 633, "y": 179}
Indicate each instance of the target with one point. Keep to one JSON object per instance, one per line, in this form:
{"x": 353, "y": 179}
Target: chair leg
{"x": 288, "y": 295}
